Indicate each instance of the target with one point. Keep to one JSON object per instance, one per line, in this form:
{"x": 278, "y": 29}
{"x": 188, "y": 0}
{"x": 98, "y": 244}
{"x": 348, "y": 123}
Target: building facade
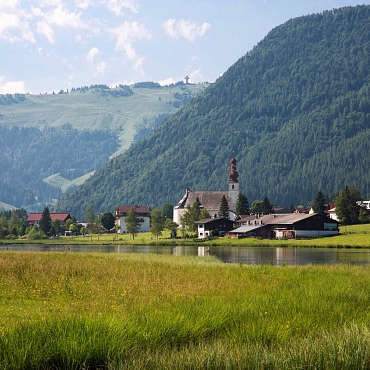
{"x": 211, "y": 200}
{"x": 142, "y": 212}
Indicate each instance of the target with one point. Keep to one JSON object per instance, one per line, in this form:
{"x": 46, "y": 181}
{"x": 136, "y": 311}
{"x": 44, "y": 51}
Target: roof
{"x": 252, "y": 222}
{"x": 138, "y": 209}
{"x": 36, "y": 217}
{"x": 210, "y": 200}
{"x": 212, "y": 219}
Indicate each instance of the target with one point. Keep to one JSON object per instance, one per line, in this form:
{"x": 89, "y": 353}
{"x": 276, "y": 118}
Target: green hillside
{"x": 52, "y": 142}
{"x": 295, "y": 110}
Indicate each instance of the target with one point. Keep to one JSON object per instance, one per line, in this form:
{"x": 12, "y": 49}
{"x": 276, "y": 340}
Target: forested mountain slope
{"x": 295, "y": 110}
{"x": 52, "y": 142}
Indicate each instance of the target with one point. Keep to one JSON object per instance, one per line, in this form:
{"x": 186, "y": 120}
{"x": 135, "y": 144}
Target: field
{"x": 355, "y": 236}
{"x": 114, "y": 311}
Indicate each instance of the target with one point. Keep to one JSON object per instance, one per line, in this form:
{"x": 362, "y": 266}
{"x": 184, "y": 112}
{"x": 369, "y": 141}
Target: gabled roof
{"x": 122, "y": 210}
{"x": 212, "y": 219}
{"x": 252, "y": 223}
{"x": 36, "y": 217}
{"x": 210, "y": 200}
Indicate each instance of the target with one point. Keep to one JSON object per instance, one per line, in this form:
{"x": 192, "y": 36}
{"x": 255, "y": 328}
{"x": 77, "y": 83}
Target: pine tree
{"x": 242, "y": 205}
{"x": 224, "y": 208}
{"x": 45, "y": 222}
{"x": 266, "y": 206}
{"x": 346, "y": 206}
{"x": 319, "y": 205}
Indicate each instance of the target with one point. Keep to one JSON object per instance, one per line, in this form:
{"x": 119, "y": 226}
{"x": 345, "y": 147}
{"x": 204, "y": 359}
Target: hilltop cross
{"x": 187, "y": 79}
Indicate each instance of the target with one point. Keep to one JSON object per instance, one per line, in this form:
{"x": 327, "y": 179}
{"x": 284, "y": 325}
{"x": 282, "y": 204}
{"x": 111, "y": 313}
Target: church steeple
{"x": 233, "y": 185}
{"x": 233, "y": 175}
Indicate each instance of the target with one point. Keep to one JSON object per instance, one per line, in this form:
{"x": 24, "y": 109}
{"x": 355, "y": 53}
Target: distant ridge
{"x": 295, "y": 110}
{"x": 52, "y": 142}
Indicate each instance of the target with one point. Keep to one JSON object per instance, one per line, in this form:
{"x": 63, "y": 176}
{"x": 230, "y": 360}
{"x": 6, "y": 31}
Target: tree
{"x": 242, "y": 205}
{"x": 132, "y": 222}
{"x": 56, "y": 226}
{"x": 171, "y": 226}
{"x": 167, "y": 211}
{"x": 45, "y": 222}
{"x": 319, "y": 204}
{"x": 346, "y": 206}
{"x": 91, "y": 220}
{"x": 266, "y": 206}
{"x": 224, "y": 208}
{"x": 191, "y": 214}
{"x": 157, "y": 222}
{"x": 107, "y": 220}
{"x": 257, "y": 207}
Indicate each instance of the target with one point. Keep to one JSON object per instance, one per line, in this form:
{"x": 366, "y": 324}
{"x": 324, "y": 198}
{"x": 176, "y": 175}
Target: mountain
{"x": 51, "y": 143}
{"x": 295, "y": 110}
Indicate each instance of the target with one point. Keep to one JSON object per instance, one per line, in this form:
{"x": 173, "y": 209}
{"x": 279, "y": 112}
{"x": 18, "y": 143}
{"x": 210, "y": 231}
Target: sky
{"x": 49, "y": 45}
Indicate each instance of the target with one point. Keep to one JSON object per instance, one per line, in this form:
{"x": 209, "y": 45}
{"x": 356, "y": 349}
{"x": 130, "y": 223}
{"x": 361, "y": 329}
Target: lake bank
{"x": 355, "y": 236}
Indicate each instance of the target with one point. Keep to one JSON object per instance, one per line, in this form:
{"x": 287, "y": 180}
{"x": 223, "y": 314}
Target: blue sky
{"x": 48, "y": 45}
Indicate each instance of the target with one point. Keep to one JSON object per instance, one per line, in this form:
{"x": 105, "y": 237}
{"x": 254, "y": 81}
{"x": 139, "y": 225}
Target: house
{"x": 289, "y": 226}
{"x": 35, "y": 218}
{"x": 211, "y": 200}
{"x": 218, "y": 225}
{"x": 142, "y": 212}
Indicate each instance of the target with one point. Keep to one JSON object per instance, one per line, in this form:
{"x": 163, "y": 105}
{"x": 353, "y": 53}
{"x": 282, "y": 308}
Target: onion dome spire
{"x": 233, "y": 175}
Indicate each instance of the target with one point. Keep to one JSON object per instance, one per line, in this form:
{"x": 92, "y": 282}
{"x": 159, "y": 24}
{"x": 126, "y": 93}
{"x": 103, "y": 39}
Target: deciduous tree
{"x": 133, "y": 223}
{"x": 157, "y": 222}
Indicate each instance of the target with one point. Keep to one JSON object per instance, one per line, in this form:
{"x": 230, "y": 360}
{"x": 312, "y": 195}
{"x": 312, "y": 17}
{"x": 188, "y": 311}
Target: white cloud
{"x": 44, "y": 28}
{"x": 8, "y": 5}
{"x": 185, "y": 29}
{"x": 12, "y": 87}
{"x": 14, "y": 28}
{"x": 116, "y": 6}
{"x": 167, "y": 81}
{"x": 196, "y": 76}
{"x": 92, "y": 53}
{"x": 126, "y": 34}
{"x": 63, "y": 18}
{"x": 83, "y": 4}
{"x": 98, "y": 68}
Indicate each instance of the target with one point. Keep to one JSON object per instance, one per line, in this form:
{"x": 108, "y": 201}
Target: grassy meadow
{"x": 131, "y": 311}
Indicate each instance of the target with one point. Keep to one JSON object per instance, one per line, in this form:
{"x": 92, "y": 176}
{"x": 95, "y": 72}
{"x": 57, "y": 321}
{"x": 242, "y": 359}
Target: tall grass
{"x": 122, "y": 311}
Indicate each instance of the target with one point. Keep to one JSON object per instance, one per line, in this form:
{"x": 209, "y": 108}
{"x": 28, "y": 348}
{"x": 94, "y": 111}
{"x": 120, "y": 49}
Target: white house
{"x": 142, "y": 212}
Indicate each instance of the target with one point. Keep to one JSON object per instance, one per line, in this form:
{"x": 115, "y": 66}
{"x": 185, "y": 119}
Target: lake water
{"x": 244, "y": 255}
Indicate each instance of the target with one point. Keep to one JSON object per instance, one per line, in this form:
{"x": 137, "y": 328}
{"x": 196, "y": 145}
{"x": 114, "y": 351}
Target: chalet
{"x": 211, "y": 200}
{"x": 209, "y": 226}
{"x": 35, "y": 218}
{"x": 289, "y": 226}
{"x": 142, "y": 212}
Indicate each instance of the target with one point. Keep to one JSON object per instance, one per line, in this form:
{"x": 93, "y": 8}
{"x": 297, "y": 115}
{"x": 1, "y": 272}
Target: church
{"x": 211, "y": 200}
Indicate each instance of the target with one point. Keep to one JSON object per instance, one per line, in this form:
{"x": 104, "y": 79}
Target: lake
{"x": 244, "y": 255}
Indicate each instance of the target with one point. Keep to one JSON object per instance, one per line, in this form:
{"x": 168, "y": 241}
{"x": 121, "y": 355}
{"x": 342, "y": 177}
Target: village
{"x": 278, "y": 223}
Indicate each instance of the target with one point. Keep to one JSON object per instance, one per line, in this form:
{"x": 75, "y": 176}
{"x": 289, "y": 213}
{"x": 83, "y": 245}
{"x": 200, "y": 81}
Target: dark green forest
{"x": 30, "y": 154}
{"x": 295, "y": 110}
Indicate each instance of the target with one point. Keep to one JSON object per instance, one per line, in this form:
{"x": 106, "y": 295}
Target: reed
{"x": 121, "y": 311}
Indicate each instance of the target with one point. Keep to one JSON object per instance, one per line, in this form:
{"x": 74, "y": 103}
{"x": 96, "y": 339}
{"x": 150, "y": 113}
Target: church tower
{"x": 233, "y": 185}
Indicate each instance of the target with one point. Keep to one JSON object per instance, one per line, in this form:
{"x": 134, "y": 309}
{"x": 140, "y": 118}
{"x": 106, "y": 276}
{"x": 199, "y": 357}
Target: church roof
{"x": 211, "y": 200}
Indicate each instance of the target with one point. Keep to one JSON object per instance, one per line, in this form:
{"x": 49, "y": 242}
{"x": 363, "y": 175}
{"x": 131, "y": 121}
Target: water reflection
{"x": 244, "y": 255}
